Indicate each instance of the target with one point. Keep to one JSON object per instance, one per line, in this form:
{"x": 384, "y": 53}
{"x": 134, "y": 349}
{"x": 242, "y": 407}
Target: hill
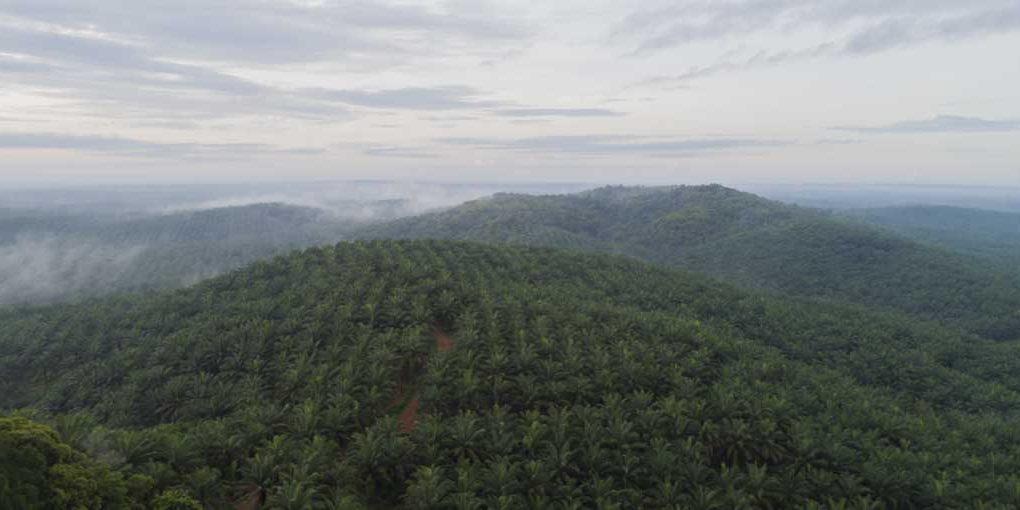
{"x": 993, "y": 235}
{"x": 747, "y": 240}
{"x": 429, "y": 374}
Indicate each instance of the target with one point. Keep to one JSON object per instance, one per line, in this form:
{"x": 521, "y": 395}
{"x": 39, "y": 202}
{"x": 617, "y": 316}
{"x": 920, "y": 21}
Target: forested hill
{"x": 994, "y": 235}
{"x": 431, "y": 374}
{"x": 747, "y": 240}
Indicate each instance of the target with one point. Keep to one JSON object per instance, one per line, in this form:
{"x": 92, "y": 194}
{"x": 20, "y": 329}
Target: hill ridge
{"x": 744, "y": 239}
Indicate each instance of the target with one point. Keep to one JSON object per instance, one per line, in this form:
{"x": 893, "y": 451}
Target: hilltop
{"x": 747, "y": 240}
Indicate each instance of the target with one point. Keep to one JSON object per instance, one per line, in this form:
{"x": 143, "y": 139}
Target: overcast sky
{"x": 905, "y": 91}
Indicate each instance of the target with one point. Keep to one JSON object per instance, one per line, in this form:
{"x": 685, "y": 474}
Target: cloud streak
{"x": 859, "y": 28}
{"x": 940, "y": 124}
{"x": 409, "y": 98}
{"x": 102, "y": 75}
{"x": 556, "y": 112}
{"x": 138, "y": 148}
{"x": 602, "y": 145}
{"x": 110, "y": 59}
{"x": 283, "y": 32}
{"x": 872, "y": 25}
{"x": 108, "y": 76}
{"x": 399, "y": 152}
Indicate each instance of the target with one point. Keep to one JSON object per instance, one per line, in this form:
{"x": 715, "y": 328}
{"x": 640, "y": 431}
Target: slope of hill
{"x": 747, "y": 240}
{"x": 994, "y": 235}
{"x": 436, "y": 374}
{"x": 45, "y": 257}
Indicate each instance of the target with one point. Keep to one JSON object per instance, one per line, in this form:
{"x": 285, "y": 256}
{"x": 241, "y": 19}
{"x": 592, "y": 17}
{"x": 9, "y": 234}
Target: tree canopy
{"x": 436, "y": 374}
{"x": 747, "y": 240}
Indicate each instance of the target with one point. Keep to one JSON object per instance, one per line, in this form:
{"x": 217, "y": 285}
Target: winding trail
{"x": 408, "y": 417}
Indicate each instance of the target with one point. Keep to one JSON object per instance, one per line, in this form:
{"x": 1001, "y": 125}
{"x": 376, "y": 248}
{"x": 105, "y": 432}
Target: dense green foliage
{"x": 993, "y": 235}
{"x": 38, "y": 471}
{"x": 747, "y": 240}
{"x": 324, "y": 379}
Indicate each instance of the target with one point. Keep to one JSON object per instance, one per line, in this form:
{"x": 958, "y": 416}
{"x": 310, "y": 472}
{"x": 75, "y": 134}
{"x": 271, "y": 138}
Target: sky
{"x": 678, "y": 91}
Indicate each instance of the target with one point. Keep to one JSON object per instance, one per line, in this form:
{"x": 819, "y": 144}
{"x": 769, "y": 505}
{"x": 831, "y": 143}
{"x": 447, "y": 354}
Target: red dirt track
{"x": 408, "y": 417}
{"x": 443, "y": 341}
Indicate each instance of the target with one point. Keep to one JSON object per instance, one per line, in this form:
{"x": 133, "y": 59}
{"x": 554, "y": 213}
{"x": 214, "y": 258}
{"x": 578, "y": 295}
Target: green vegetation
{"x": 326, "y": 379}
{"x": 992, "y": 235}
{"x": 746, "y": 240}
{"x": 37, "y": 470}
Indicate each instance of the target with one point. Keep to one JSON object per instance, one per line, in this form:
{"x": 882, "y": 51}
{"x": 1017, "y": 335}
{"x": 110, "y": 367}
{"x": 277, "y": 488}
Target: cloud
{"x": 759, "y": 59}
{"x": 17, "y": 120}
{"x": 15, "y": 65}
{"x": 940, "y": 124}
{"x": 108, "y": 75}
{"x": 873, "y": 25}
{"x": 899, "y": 32}
{"x": 146, "y": 59}
{"x": 284, "y": 32}
{"x": 66, "y": 56}
{"x": 556, "y": 112}
{"x": 105, "y": 76}
{"x": 399, "y": 152}
{"x": 858, "y": 28}
{"x": 44, "y": 268}
{"x": 159, "y": 65}
{"x": 409, "y": 98}
{"x": 139, "y": 148}
{"x": 838, "y": 141}
{"x": 598, "y": 145}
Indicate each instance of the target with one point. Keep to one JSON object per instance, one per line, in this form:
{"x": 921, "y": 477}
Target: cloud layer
{"x": 941, "y": 124}
{"x": 855, "y": 28}
{"x": 139, "y": 148}
{"x": 602, "y": 145}
{"x": 486, "y": 88}
{"x": 869, "y": 25}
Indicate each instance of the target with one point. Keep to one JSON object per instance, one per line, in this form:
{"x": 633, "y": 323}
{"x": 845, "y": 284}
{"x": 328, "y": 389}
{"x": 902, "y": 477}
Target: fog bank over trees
{"x": 61, "y": 244}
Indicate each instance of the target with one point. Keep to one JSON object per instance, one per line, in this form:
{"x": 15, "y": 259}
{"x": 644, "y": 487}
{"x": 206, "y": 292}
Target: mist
{"x": 364, "y": 201}
{"x": 68, "y": 243}
{"x": 46, "y": 268}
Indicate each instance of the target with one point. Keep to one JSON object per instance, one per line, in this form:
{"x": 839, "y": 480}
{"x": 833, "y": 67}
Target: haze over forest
{"x": 507, "y": 254}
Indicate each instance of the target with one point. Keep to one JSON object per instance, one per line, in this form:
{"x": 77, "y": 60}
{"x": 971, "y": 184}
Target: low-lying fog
{"x": 60, "y": 244}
